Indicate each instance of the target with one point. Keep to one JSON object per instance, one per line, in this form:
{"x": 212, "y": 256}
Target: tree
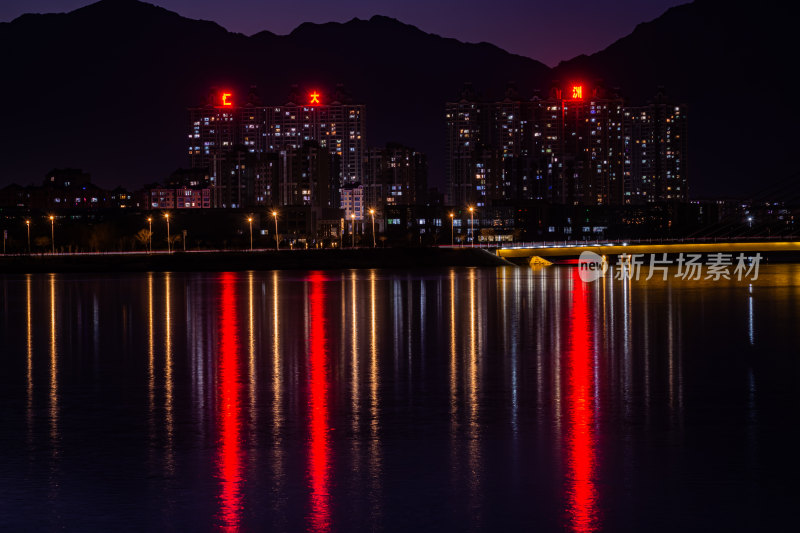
{"x": 41, "y": 242}
{"x": 144, "y": 237}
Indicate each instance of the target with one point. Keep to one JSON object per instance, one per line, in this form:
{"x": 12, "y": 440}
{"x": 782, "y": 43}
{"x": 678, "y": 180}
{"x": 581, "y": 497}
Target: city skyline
{"x": 403, "y": 76}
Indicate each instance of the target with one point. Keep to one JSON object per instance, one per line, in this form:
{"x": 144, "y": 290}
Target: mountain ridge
{"x": 143, "y": 65}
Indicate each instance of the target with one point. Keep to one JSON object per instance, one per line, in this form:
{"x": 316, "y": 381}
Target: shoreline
{"x": 221, "y": 261}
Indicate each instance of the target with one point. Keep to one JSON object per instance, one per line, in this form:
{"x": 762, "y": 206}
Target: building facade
{"x": 655, "y": 146}
{"x": 334, "y": 123}
{"x": 396, "y": 175}
{"x": 580, "y": 145}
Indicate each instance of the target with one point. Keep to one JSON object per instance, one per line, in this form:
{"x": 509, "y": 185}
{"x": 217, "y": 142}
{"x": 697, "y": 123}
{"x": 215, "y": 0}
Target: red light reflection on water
{"x": 229, "y": 460}
{"x": 581, "y": 455}
{"x": 319, "y": 446}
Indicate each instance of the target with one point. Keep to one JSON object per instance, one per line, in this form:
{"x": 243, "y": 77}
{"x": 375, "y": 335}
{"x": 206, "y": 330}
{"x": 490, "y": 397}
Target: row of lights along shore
{"x": 274, "y": 215}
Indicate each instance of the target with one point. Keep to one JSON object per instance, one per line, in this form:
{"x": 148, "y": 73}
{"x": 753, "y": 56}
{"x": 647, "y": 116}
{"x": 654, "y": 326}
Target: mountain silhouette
{"x": 106, "y": 87}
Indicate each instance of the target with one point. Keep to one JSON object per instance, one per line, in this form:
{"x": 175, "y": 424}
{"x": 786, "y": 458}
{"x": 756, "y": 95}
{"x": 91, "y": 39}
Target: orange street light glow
{"x": 315, "y": 97}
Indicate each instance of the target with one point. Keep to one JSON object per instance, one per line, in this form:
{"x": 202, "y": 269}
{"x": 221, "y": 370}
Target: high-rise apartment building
{"x": 334, "y": 123}
{"x": 655, "y": 146}
{"x": 396, "y": 175}
{"x": 571, "y": 147}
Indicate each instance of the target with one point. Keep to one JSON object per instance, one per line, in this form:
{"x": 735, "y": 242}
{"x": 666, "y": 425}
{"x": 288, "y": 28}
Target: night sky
{"x": 545, "y": 30}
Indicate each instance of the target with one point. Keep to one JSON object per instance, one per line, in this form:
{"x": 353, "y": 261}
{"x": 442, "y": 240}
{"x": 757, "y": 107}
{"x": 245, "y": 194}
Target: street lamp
{"x": 372, "y": 212}
{"x": 353, "y": 227}
{"x": 277, "y": 241}
{"x": 250, "y": 220}
{"x": 472, "y": 224}
{"x": 28, "y": 224}
{"x": 149, "y": 235}
{"x": 452, "y": 229}
{"x": 169, "y": 244}
{"x": 53, "y": 233}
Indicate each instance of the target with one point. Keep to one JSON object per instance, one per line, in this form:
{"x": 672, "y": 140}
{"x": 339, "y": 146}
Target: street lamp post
{"x": 149, "y": 235}
{"x": 250, "y": 220}
{"x": 353, "y": 227}
{"x": 28, "y": 224}
{"x": 372, "y": 212}
{"x": 169, "y": 244}
{"x": 472, "y": 224}
{"x": 452, "y": 229}
{"x": 53, "y": 233}
{"x": 277, "y": 240}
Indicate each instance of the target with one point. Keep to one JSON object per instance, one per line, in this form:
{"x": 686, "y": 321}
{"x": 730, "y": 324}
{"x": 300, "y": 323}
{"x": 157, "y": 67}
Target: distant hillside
{"x": 106, "y": 87}
{"x": 733, "y": 64}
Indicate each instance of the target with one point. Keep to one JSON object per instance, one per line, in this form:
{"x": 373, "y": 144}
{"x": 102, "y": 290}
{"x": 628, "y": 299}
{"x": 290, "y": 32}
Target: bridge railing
{"x": 624, "y": 242}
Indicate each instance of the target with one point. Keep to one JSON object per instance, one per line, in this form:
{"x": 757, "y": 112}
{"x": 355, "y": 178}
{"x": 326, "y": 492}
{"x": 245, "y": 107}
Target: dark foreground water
{"x": 456, "y": 400}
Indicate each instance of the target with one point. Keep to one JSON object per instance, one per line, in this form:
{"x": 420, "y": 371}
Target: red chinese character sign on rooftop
{"x": 314, "y": 97}
{"x": 227, "y": 99}
{"x": 577, "y": 92}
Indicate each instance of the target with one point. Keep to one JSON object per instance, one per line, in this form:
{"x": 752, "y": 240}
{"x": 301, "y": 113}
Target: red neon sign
{"x": 226, "y": 99}
{"x": 314, "y": 97}
{"x": 577, "y": 92}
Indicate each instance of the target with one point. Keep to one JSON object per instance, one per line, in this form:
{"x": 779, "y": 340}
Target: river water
{"x": 501, "y": 399}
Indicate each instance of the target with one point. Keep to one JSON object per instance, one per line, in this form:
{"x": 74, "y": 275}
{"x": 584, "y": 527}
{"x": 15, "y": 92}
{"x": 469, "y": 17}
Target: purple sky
{"x": 547, "y": 30}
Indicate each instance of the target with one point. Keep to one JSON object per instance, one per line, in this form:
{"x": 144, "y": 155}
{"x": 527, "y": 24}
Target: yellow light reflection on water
{"x": 169, "y": 422}
{"x": 53, "y": 368}
{"x": 251, "y": 358}
{"x": 151, "y": 375}
{"x": 474, "y": 452}
{"x": 29, "y": 358}
{"x": 355, "y": 398}
{"x": 277, "y": 394}
{"x": 374, "y": 447}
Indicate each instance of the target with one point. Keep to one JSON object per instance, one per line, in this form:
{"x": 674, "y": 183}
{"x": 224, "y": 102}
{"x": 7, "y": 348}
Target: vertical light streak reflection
{"x": 581, "y": 440}
{"x": 151, "y": 375}
{"x": 54, "y": 437}
{"x": 229, "y": 461}
{"x": 277, "y": 394}
{"x": 627, "y": 369}
{"x": 251, "y": 359}
{"x": 513, "y": 342}
{"x": 646, "y": 355}
{"x": 355, "y": 399}
{"x": 750, "y": 320}
{"x": 168, "y": 383}
{"x": 29, "y": 358}
{"x": 472, "y": 399}
{"x": 319, "y": 446}
{"x": 277, "y": 391}
{"x": 454, "y": 447}
{"x": 453, "y": 358}
{"x": 374, "y": 424}
{"x": 558, "y": 407}
{"x": 670, "y": 353}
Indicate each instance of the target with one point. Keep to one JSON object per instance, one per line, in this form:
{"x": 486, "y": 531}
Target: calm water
{"x": 455, "y": 400}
